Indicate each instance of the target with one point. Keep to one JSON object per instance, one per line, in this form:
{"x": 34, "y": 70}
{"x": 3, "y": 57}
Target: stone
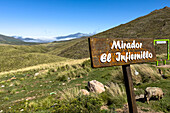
{"x": 36, "y": 74}
{"x": 84, "y": 92}
{"x": 96, "y": 86}
{"x": 141, "y": 96}
{"x": 136, "y": 73}
{"x": 104, "y": 108}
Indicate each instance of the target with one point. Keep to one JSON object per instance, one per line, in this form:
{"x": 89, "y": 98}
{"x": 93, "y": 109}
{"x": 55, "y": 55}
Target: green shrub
{"x": 74, "y": 66}
{"x": 63, "y": 68}
{"x": 62, "y": 78}
{"x": 51, "y": 70}
{"x": 68, "y": 67}
{"x": 33, "y": 105}
{"x": 139, "y": 91}
{"x": 72, "y": 74}
{"x": 88, "y": 69}
{"x": 114, "y": 96}
{"x": 6, "y": 98}
{"x": 85, "y": 104}
{"x": 86, "y": 63}
{"x": 2, "y": 91}
{"x": 69, "y": 93}
{"x": 13, "y": 91}
{"x": 17, "y": 83}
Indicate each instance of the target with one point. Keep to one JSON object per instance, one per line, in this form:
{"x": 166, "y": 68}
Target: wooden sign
{"x": 106, "y": 52}
{"x": 112, "y": 52}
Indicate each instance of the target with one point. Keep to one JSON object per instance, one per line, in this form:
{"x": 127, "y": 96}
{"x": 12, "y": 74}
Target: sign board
{"x": 107, "y": 52}
{"x": 161, "y": 42}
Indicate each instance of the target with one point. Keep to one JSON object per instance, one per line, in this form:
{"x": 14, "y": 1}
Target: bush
{"x": 13, "y": 91}
{"x": 85, "y": 104}
{"x": 62, "y": 78}
{"x": 2, "y": 91}
{"x": 114, "y": 96}
{"x": 33, "y": 105}
{"x": 6, "y": 98}
{"x": 68, "y": 94}
{"x": 68, "y": 67}
{"x": 17, "y": 83}
{"x": 139, "y": 91}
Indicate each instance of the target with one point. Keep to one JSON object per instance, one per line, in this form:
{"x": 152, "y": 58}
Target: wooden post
{"x": 129, "y": 89}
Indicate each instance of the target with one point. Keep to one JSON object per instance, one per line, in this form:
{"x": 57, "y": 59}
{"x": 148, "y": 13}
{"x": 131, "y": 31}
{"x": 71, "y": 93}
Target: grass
{"x": 14, "y": 57}
{"x": 162, "y": 105}
{"x": 30, "y": 89}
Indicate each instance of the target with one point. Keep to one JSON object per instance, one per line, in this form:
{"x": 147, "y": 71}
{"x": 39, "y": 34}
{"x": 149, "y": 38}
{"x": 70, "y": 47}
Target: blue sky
{"x": 46, "y": 19}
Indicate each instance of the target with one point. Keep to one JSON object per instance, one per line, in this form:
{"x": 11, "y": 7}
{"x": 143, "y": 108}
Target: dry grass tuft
{"x": 69, "y": 93}
{"x": 116, "y": 90}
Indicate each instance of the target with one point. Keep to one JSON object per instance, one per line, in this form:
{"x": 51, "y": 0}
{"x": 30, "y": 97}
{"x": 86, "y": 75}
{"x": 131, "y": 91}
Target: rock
{"x": 104, "y": 108}
{"x": 13, "y": 78}
{"x": 141, "y": 96}
{"x": 28, "y": 75}
{"x": 136, "y": 73}
{"x": 78, "y": 84}
{"x": 36, "y": 74}
{"x": 84, "y": 92}
{"x": 119, "y": 111}
{"x": 153, "y": 92}
{"x": 11, "y": 85}
{"x": 96, "y": 86}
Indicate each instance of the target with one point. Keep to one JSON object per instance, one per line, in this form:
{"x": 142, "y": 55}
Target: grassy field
{"x": 162, "y": 105}
{"x": 41, "y": 89}
{"x": 21, "y": 56}
{"x": 45, "y": 78}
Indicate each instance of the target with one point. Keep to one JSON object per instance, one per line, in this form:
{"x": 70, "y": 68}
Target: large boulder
{"x": 96, "y": 86}
{"x": 153, "y": 92}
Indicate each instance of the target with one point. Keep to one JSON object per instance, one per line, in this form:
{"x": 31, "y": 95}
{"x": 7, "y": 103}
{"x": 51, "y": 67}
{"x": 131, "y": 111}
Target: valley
{"x": 49, "y": 77}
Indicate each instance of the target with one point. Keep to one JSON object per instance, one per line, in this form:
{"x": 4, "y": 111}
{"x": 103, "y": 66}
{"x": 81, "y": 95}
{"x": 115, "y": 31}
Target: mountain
{"x": 153, "y": 25}
{"x": 32, "y": 40}
{"x": 60, "y": 38}
{"x": 72, "y": 36}
{"x": 9, "y": 40}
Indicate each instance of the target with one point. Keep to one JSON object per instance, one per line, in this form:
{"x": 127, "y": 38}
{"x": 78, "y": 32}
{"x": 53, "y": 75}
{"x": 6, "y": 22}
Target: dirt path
{"x": 41, "y": 66}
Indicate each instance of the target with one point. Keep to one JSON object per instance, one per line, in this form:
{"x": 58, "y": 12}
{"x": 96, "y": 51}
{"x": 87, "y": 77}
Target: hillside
{"x": 9, "y": 40}
{"x": 21, "y": 56}
{"x": 154, "y": 25}
{"x": 55, "y": 87}
{"x": 13, "y": 41}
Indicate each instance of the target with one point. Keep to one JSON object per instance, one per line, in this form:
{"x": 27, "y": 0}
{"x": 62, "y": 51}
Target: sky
{"x": 46, "y": 19}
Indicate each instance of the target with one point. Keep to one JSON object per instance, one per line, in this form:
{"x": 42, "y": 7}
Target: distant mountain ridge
{"x": 60, "y": 38}
{"x": 31, "y": 39}
{"x": 72, "y": 36}
{"x": 9, "y": 40}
